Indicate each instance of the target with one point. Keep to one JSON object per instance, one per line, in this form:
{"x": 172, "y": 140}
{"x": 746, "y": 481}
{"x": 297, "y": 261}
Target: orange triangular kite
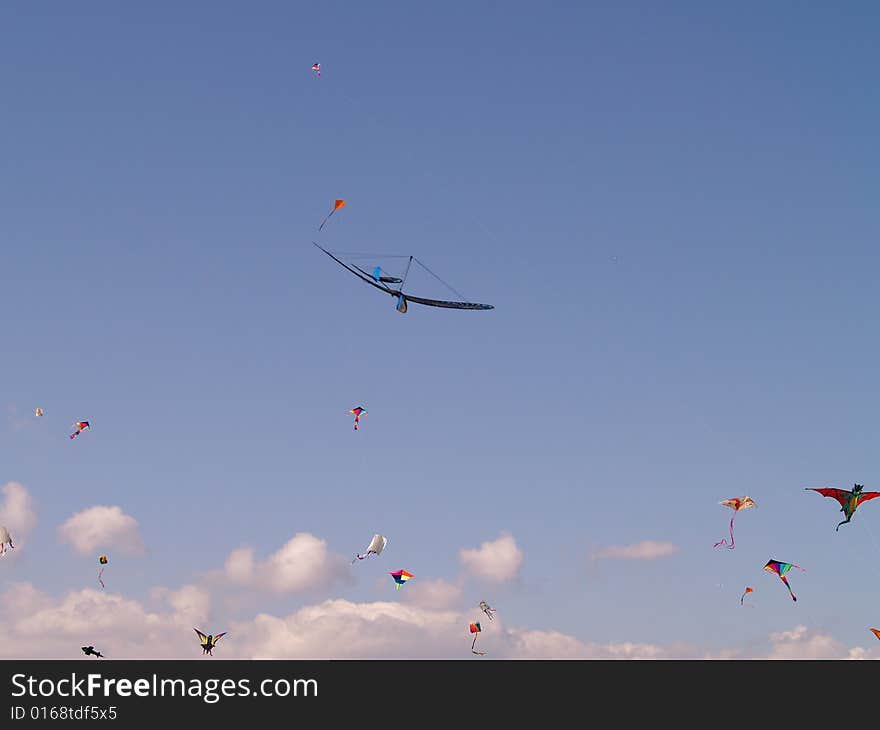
{"x": 336, "y": 206}
{"x": 876, "y": 632}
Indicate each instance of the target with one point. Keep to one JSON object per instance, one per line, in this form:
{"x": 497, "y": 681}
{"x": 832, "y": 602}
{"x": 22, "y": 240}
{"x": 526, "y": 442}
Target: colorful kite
{"x": 38, "y": 412}
{"x": 400, "y": 577}
{"x": 849, "y": 501}
{"x": 336, "y": 206}
{"x": 80, "y": 426}
{"x": 774, "y": 566}
{"x": 5, "y": 539}
{"x": 91, "y": 650}
{"x": 876, "y": 632}
{"x": 488, "y": 610}
{"x": 748, "y": 590}
{"x": 357, "y": 412}
{"x": 398, "y": 293}
{"x": 736, "y": 504}
{"x": 209, "y": 642}
{"x": 376, "y": 546}
{"x": 103, "y": 561}
{"x": 316, "y": 67}
{"x": 475, "y": 630}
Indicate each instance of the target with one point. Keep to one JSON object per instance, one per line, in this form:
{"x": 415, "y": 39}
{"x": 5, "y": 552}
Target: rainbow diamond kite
{"x": 400, "y": 577}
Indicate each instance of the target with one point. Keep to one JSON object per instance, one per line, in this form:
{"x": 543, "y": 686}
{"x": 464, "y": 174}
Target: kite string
{"x": 452, "y": 289}
{"x": 405, "y": 274}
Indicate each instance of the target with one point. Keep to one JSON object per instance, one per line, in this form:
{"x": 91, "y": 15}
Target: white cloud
{"x": 302, "y": 563}
{"x": 191, "y": 603}
{"x": 102, "y": 527}
{"x": 35, "y": 625}
{"x": 433, "y": 593}
{"x": 804, "y": 643}
{"x": 532, "y": 644}
{"x": 497, "y": 561}
{"x": 645, "y": 550}
{"x": 17, "y": 511}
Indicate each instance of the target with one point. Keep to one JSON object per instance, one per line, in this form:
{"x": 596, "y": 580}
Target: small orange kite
{"x": 336, "y": 206}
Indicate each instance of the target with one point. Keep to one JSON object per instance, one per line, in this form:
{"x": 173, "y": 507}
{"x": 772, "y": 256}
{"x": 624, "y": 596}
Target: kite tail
{"x": 326, "y": 219}
{"x": 793, "y": 596}
{"x": 473, "y": 650}
{"x": 724, "y": 541}
{"x": 100, "y": 573}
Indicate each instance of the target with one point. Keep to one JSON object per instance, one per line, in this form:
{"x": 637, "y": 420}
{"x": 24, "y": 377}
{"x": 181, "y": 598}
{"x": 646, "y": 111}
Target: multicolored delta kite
{"x": 103, "y": 562}
{"x": 774, "y": 566}
{"x": 336, "y": 206}
{"x": 736, "y": 504}
{"x": 316, "y": 67}
{"x": 5, "y": 539}
{"x": 488, "y": 610}
{"x": 849, "y": 501}
{"x": 209, "y": 642}
{"x": 80, "y": 426}
{"x": 475, "y": 630}
{"x": 748, "y": 590}
{"x": 400, "y": 577}
{"x": 376, "y": 546}
{"x": 357, "y": 413}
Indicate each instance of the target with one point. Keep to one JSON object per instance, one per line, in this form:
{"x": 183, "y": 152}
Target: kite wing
{"x": 218, "y": 636}
{"x": 841, "y": 495}
{"x": 202, "y": 637}
{"x": 368, "y": 279}
{"x": 865, "y": 496}
{"x": 876, "y": 632}
{"x": 401, "y": 297}
{"x": 445, "y": 304}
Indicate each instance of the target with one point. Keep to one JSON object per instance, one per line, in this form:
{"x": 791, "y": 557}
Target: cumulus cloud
{"x": 436, "y": 593}
{"x": 804, "y": 643}
{"x": 645, "y": 550}
{"x": 302, "y": 563}
{"x": 17, "y": 511}
{"x": 102, "y": 527}
{"x": 35, "y": 625}
{"x": 191, "y": 603}
{"x": 497, "y": 561}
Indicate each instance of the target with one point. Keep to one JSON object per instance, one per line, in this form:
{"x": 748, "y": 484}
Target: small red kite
{"x": 336, "y": 206}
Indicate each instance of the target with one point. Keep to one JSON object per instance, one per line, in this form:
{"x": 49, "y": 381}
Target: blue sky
{"x": 673, "y": 211}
